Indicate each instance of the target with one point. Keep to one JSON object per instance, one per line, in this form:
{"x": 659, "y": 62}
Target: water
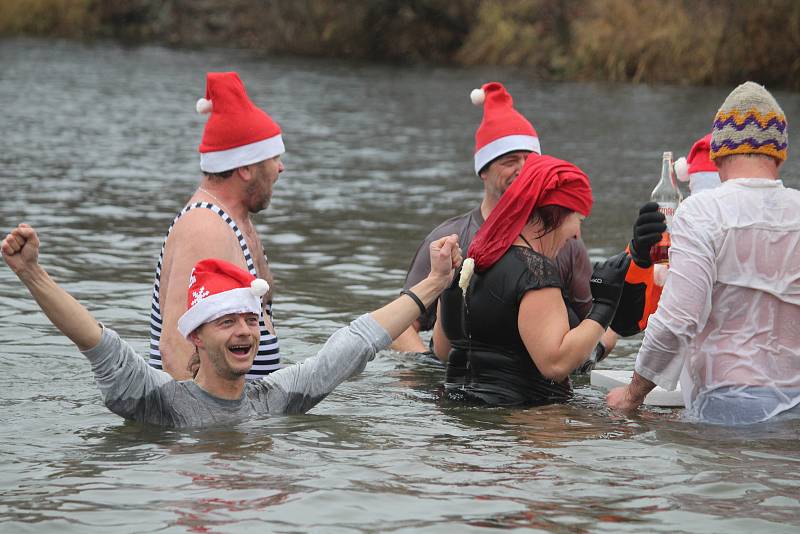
{"x": 99, "y": 151}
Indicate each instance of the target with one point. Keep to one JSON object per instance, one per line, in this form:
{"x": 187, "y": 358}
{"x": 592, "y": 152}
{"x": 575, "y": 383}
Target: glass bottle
{"x": 668, "y": 196}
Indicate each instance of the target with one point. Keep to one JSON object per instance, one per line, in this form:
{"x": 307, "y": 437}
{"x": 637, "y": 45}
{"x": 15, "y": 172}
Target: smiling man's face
{"x": 231, "y": 343}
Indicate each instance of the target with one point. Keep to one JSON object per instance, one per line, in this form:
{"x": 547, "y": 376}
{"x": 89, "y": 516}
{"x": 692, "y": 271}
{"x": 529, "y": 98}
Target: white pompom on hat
{"x": 697, "y": 168}
{"x": 681, "y": 169}
{"x": 203, "y": 106}
{"x": 503, "y": 129}
{"x": 477, "y": 96}
{"x": 217, "y": 288}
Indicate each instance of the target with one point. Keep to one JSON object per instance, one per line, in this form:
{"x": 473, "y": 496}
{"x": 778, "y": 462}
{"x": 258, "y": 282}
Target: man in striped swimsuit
{"x": 240, "y": 159}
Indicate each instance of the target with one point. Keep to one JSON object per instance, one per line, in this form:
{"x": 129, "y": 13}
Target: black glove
{"x": 598, "y": 354}
{"x": 606, "y": 285}
{"x": 647, "y": 232}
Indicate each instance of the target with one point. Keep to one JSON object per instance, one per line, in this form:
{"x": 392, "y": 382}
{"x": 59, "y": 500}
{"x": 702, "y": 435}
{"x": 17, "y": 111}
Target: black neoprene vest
{"x": 488, "y": 361}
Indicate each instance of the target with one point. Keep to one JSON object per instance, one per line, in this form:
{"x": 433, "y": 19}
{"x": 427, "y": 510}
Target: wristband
{"x": 409, "y": 293}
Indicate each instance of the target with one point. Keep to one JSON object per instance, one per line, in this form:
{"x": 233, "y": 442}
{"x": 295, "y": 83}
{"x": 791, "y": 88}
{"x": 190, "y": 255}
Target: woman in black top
{"x": 505, "y": 331}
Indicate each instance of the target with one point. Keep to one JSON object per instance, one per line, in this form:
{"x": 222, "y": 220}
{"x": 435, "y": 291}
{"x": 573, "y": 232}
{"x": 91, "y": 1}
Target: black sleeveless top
{"x": 488, "y": 361}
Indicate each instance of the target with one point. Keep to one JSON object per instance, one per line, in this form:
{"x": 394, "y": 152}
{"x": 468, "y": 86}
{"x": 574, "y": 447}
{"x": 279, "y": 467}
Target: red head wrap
{"x": 543, "y": 181}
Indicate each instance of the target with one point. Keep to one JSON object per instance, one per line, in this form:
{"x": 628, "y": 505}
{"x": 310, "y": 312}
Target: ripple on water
{"x": 102, "y": 156}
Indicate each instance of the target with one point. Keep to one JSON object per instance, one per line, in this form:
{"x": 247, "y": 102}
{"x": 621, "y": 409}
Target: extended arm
{"x": 682, "y": 311}
{"x": 21, "y": 252}
{"x": 125, "y": 380}
{"x": 544, "y": 326}
{"x": 297, "y": 388}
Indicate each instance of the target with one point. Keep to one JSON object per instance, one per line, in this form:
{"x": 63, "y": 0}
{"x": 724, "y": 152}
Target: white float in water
{"x": 607, "y": 379}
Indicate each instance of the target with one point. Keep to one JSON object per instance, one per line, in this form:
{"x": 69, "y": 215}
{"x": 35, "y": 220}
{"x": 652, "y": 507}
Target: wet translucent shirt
{"x": 728, "y": 323}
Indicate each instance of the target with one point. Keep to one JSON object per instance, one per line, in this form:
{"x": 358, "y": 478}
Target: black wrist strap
{"x": 415, "y": 298}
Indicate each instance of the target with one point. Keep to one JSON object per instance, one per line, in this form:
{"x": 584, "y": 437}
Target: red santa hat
{"x": 697, "y": 168}
{"x": 237, "y": 132}
{"x": 217, "y": 288}
{"x": 503, "y": 129}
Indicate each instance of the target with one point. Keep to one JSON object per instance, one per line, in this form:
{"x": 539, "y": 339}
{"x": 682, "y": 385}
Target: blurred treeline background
{"x": 653, "y": 41}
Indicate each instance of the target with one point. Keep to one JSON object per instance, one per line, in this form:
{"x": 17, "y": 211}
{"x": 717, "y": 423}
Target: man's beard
{"x": 220, "y": 364}
{"x": 255, "y": 207}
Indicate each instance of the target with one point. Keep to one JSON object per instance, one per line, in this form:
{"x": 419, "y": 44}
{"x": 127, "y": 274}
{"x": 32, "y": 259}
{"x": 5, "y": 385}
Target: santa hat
{"x": 217, "y": 288}
{"x": 698, "y": 169}
{"x": 237, "y": 132}
{"x": 503, "y": 129}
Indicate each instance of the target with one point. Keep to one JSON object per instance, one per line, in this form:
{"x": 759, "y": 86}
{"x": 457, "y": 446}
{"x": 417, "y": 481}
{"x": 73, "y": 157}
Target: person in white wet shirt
{"x": 728, "y": 322}
{"x": 222, "y": 324}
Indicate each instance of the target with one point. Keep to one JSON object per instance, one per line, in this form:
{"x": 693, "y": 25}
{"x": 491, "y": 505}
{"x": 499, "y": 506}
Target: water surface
{"x": 99, "y": 152}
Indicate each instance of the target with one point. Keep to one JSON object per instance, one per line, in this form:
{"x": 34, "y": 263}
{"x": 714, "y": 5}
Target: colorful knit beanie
{"x": 750, "y": 121}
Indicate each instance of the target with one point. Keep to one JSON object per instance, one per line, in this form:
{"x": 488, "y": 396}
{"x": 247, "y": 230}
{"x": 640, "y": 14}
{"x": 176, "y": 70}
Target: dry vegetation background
{"x": 668, "y": 41}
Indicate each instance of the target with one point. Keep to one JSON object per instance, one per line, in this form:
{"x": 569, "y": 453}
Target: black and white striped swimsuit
{"x": 268, "y": 357}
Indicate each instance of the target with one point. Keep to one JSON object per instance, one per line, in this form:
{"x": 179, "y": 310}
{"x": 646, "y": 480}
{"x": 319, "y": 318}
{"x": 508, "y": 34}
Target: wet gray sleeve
{"x": 128, "y": 385}
{"x": 298, "y": 388}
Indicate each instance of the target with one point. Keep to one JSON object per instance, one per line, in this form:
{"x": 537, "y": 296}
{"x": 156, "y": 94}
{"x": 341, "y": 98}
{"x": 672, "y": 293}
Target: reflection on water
{"x": 100, "y": 152}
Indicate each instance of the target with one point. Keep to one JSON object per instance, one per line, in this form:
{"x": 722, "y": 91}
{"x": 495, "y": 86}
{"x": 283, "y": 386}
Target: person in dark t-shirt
{"x": 503, "y": 141}
{"x": 504, "y": 330}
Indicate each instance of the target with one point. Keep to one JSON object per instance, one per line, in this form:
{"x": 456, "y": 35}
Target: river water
{"x": 99, "y": 152}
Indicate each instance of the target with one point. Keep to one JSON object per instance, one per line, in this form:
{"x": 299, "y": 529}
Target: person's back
{"x": 728, "y": 321}
{"x": 751, "y": 334}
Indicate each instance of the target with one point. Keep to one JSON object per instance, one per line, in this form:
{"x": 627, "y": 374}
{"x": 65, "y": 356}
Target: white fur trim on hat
{"x": 504, "y": 145}
{"x": 239, "y": 300}
{"x": 225, "y": 160}
{"x": 701, "y": 181}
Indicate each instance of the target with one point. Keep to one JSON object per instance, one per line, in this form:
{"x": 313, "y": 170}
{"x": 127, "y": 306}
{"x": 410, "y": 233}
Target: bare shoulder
{"x": 201, "y": 234}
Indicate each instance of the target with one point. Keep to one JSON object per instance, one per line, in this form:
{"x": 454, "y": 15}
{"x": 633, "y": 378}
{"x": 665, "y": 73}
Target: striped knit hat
{"x": 750, "y": 121}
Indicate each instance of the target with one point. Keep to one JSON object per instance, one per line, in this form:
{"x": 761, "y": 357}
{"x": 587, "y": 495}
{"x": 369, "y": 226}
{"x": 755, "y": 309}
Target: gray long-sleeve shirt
{"x": 134, "y": 390}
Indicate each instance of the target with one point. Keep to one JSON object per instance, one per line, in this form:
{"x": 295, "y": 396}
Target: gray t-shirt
{"x": 134, "y": 390}
{"x": 572, "y": 261}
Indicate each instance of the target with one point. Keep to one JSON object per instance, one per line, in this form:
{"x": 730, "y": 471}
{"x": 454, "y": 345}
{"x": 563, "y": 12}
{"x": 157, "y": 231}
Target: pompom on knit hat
{"x": 503, "y": 128}
{"x": 237, "y": 132}
{"x": 750, "y": 121}
{"x": 697, "y": 168}
{"x": 217, "y": 288}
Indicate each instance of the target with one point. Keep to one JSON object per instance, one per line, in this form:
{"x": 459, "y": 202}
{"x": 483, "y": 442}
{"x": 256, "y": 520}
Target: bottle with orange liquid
{"x": 668, "y": 196}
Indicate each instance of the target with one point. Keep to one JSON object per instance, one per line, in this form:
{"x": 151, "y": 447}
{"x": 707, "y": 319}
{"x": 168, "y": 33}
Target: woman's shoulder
{"x": 538, "y": 269}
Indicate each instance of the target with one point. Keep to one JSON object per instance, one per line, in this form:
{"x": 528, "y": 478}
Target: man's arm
{"x": 683, "y": 308}
{"x": 20, "y": 250}
{"x": 297, "y": 388}
{"x": 125, "y": 379}
{"x": 199, "y": 234}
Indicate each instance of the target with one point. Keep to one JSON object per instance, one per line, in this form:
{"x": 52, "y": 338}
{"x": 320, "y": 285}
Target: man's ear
{"x": 244, "y": 173}
{"x": 194, "y": 338}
